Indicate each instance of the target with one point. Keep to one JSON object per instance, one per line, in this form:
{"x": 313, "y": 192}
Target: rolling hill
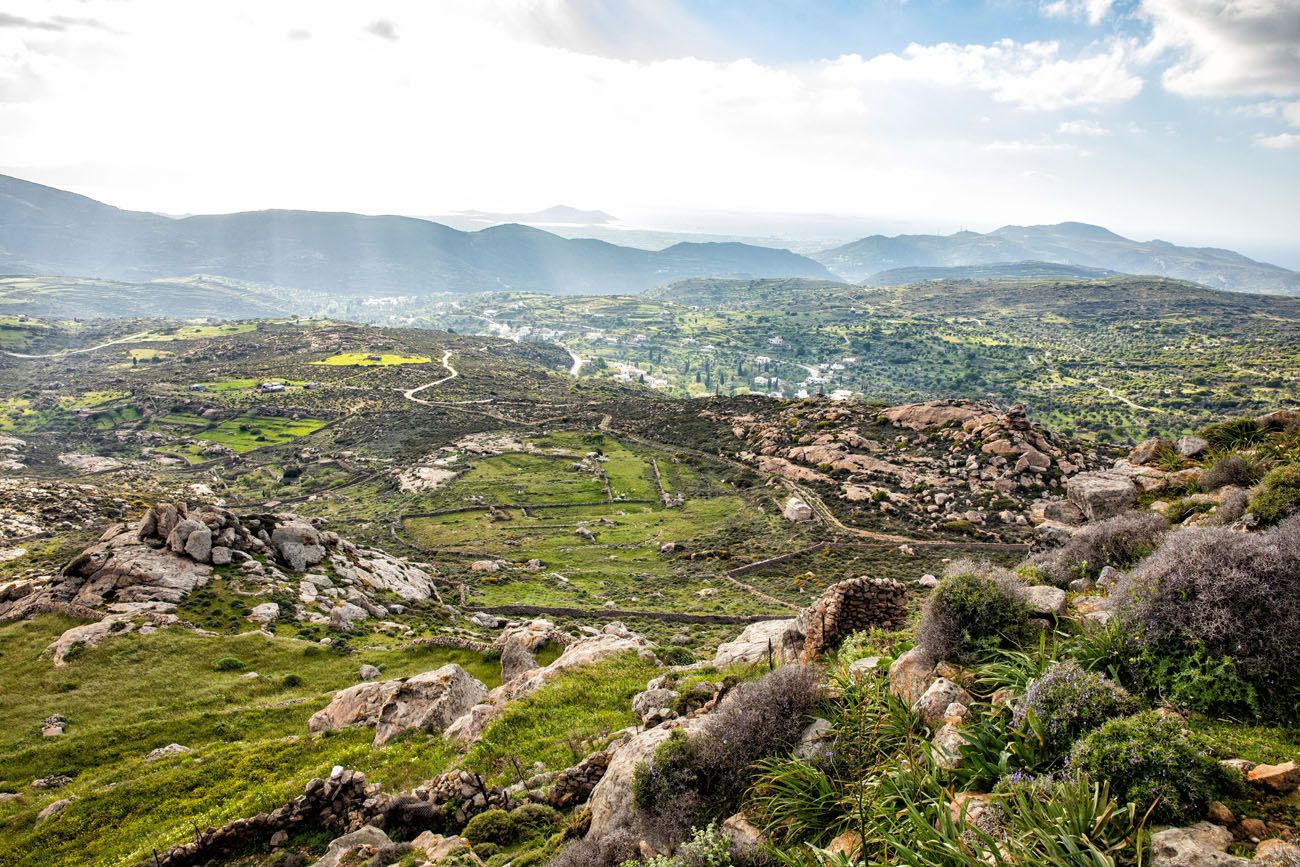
{"x": 46, "y": 231}
{"x": 1065, "y": 243}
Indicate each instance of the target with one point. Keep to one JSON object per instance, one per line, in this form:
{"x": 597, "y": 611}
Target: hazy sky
{"x": 1170, "y": 118}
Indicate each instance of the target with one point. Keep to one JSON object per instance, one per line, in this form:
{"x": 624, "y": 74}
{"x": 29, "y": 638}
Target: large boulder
{"x": 611, "y": 801}
{"x": 797, "y": 510}
{"x": 298, "y": 544}
{"x": 1102, "y": 495}
{"x": 354, "y": 848}
{"x": 753, "y": 644}
{"x": 430, "y": 702}
{"x": 1201, "y": 845}
{"x": 911, "y": 675}
{"x": 933, "y": 703}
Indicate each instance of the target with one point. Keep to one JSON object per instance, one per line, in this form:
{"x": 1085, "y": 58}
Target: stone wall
{"x": 842, "y": 609}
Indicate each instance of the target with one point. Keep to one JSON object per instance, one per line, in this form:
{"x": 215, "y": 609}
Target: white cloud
{"x": 1030, "y": 75}
{"x": 1227, "y": 47}
{"x": 1281, "y": 141}
{"x": 1093, "y": 11}
{"x": 1082, "y": 127}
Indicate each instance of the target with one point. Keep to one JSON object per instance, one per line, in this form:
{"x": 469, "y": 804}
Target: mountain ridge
{"x": 47, "y": 231}
{"x": 1068, "y": 243}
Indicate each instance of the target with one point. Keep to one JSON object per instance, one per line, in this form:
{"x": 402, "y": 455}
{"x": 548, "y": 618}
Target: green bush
{"x": 1069, "y": 702}
{"x": 290, "y": 681}
{"x": 674, "y": 655}
{"x": 490, "y": 826}
{"x": 534, "y": 820}
{"x": 228, "y": 663}
{"x": 1278, "y": 494}
{"x": 975, "y": 608}
{"x": 1235, "y": 434}
{"x": 1153, "y": 762}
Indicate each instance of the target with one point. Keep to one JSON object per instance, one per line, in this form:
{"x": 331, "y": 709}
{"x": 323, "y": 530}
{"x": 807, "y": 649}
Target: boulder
{"x": 298, "y": 545}
{"x": 164, "y": 752}
{"x": 611, "y": 801}
{"x": 1102, "y": 495}
{"x": 54, "y": 809}
{"x": 430, "y": 702}
{"x": 815, "y": 741}
{"x": 355, "y": 847}
{"x": 368, "y": 672}
{"x": 654, "y": 703}
{"x": 86, "y": 635}
{"x": 267, "y": 612}
{"x": 911, "y": 675}
{"x": 436, "y": 849}
{"x": 933, "y": 703}
{"x": 753, "y": 644}
{"x": 1201, "y": 845}
{"x": 1147, "y": 450}
{"x": 948, "y": 741}
{"x": 743, "y": 834}
{"x": 1277, "y": 853}
{"x": 221, "y": 555}
{"x": 344, "y": 616}
{"x": 516, "y": 660}
{"x": 1279, "y": 779}
{"x": 1045, "y": 601}
{"x": 1192, "y": 446}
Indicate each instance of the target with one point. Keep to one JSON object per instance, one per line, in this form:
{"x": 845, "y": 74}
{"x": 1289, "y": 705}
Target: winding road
{"x": 452, "y": 373}
{"x": 62, "y": 352}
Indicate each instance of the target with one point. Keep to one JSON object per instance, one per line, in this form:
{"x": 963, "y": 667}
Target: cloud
{"x": 1281, "y": 141}
{"x": 299, "y": 34}
{"x": 1093, "y": 11}
{"x": 383, "y": 28}
{"x": 1029, "y": 75}
{"x": 1224, "y": 48}
{"x": 1082, "y": 127}
{"x": 7, "y": 20}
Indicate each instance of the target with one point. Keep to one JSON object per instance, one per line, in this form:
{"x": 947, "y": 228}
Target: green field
{"x": 364, "y": 359}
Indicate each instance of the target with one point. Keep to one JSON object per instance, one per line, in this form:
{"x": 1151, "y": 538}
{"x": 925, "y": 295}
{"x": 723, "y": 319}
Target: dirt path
{"x": 452, "y": 373}
{"x": 1121, "y": 398}
{"x": 62, "y": 352}
{"x": 578, "y": 362}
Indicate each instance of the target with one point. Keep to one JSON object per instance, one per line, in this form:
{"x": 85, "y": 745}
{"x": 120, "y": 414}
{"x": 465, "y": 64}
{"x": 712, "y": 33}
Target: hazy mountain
{"x": 48, "y": 231}
{"x": 1066, "y": 243}
{"x": 995, "y": 271}
{"x": 553, "y": 214}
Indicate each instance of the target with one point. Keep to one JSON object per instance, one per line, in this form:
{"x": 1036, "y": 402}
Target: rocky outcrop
{"x": 611, "y": 800}
{"x": 1102, "y": 495}
{"x": 429, "y": 702}
{"x": 754, "y": 644}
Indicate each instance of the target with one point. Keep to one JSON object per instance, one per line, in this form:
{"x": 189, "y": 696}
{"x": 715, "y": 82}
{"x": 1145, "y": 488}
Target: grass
{"x": 199, "y": 332}
{"x": 247, "y": 432}
{"x": 136, "y": 693}
{"x": 563, "y": 721}
{"x": 364, "y": 359}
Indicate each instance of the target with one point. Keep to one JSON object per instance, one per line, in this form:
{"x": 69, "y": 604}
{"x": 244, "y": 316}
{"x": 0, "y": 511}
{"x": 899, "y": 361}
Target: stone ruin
{"x": 850, "y": 606}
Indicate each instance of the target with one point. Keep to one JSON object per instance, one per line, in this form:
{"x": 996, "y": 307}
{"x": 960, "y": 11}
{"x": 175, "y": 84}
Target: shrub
{"x": 675, "y": 655}
{"x": 976, "y": 607}
{"x": 603, "y": 851}
{"x": 1068, "y": 702}
{"x": 490, "y": 826}
{"x": 708, "y": 847}
{"x": 1230, "y": 470}
{"x": 1278, "y": 494}
{"x": 1215, "y": 615}
{"x": 1151, "y": 761}
{"x": 291, "y": 680}
{"x": 534, "y": 820}
{"x": 228, "y": 663}
{"x": 704, "y": 775}
{"x": 1235, "y": 434}
{"x": 1232, "y": 506}
{"x": 1119, "y": 541}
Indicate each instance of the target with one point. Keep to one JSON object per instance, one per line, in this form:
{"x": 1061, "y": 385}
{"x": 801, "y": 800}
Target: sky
{"x": 1177, "y": 119}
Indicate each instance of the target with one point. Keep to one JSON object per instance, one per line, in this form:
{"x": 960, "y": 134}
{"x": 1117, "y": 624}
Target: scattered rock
{"x": 933, "y": 703}
{"x": 353, "y": 847}
{"x": 54, "y": 809}
{"x": 1045, "y": 600}
{"x": 267, "y": 612}
{"x": 164, "y": 752}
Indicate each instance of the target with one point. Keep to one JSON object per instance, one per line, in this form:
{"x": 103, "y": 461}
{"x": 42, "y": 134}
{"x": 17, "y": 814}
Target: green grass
{"x": 365, "y": 359}
{"x": 199, "y": 332}
{"x": 246, "y": 432}
{"x": 136, "y": 693}
{"x": 563, "y": 721}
